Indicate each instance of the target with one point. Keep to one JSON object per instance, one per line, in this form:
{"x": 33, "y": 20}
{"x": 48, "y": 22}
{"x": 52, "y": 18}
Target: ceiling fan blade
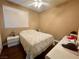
{"x": 31, "y": 4}
{"x": 35, "y": 0}
{"x": 40, "y": 0}
{"x": 44, "y": 3}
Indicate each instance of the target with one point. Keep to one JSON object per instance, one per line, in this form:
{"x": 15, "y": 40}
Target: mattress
{"x": 34, "y": 43}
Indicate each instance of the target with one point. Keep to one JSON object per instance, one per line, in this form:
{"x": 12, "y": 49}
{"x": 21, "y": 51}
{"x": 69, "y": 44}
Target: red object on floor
{"x": 72, "y": 37}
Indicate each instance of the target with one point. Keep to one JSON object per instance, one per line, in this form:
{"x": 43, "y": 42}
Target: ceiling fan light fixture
{"x": 38, "y": 3}
{"x": 35, "y": 4}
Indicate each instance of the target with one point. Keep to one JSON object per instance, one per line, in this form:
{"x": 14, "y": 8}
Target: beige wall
{"x": 57, "y": 21}
{"x": 1, "y": 22}
{"x": 33, "y": 19}
{"x": 60, "y": 20}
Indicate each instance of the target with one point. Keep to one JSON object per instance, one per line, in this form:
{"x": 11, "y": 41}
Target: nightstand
{"x": 13, "y": 40}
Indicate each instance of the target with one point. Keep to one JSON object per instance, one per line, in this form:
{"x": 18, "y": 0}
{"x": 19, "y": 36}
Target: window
{"x": 14, "y": 18}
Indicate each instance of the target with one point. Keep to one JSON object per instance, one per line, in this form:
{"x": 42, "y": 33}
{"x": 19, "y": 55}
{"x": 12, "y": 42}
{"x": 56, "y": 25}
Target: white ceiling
{"x": 26, "y": 2}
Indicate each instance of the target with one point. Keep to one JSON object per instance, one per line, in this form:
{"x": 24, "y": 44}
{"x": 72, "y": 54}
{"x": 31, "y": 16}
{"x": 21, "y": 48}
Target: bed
{"x": 34, "y": 42}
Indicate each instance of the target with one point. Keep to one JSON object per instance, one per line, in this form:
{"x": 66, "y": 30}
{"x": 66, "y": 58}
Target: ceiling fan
{"x": 38, "y": 3}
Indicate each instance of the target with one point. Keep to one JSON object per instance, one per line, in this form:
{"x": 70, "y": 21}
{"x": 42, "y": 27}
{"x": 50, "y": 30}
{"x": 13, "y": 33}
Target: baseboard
{"x": 4, "y": 44}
